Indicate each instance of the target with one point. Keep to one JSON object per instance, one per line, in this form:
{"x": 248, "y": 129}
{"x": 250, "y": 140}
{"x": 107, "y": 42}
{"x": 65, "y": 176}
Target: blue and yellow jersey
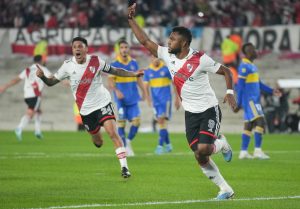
{"x": 127, "y": 85}
{"x": 159, "y": 80}
{"x": 249, "y": 84}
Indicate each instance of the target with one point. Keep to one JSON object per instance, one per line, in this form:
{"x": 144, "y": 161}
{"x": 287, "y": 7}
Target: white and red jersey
{"x": 86, "y": 83}
{"x": 191, "y": 79}
{"x": 33, "y": 85}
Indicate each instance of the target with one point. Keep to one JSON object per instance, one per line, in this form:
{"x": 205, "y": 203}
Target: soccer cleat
{"x": 259, "y": 154}
{"x": 129, "y": 151}
{"x": 225, "y": 195}
{"x": 18, "y": 133}
{"x": 125, "y": 173}
{"x": 226, "y": 149}
{"x": 159, "y": 150}
{"x": 244, "y": 154}
{"x": 38, "y": 135}
{"x": 169, "y": 148}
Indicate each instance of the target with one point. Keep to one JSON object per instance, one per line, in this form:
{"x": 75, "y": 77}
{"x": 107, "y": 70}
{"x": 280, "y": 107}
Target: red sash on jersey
{"x": 34, "y": 85}
{"x": 86, "y": 80}
{"x": 185, "y": 72}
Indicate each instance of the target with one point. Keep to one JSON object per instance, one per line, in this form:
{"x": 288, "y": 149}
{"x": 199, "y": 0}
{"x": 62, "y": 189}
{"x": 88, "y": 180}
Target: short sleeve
{"x": 146, "y": 75}
{"x": 62, "y": 72}
{"x": 207, "y": 64}
{"x": 22, "y": 75}
{"x": 162, "y": 52}
{"x": 103, "y": 65}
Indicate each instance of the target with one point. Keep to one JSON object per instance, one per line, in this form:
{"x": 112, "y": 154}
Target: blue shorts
{"x": 128, "y": 112}
{"x": 163, "y": 110}
{"x": 252, "y": 111}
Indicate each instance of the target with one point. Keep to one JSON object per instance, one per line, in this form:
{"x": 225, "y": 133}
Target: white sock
{"x": 218, "y": 145}
{"x": 24, "y": 121}
{"x": 211, "y": 170}
{"x": 37, "y": 123}
{"x": 121, "y": 154}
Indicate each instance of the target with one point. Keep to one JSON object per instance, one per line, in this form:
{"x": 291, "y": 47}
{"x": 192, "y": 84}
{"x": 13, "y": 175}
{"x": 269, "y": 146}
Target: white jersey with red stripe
{"x": 33, "y": 85}
{"x": 86, "y": 82}
{"x": 191, "y": 79}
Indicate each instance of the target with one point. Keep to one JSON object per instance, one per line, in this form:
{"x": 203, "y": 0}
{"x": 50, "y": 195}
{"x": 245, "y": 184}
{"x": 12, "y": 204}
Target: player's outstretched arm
{"x": 9, "y": 84}
{"x": 124, "y": 73}
{"x": 139, "y": 33}
{"x": 48, "y": 81}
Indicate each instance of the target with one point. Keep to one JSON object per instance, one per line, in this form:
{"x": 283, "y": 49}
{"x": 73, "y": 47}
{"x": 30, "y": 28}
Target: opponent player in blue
{"x": 126, "y": 95}
{"x": 157, "y": 80}
{"x": 248, "y": 93}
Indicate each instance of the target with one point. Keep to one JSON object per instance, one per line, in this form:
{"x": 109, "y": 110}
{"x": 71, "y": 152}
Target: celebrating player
{"x": 92, "y": 98}
{"x": 32, "y": 94}
{"x": 189, "y": 70}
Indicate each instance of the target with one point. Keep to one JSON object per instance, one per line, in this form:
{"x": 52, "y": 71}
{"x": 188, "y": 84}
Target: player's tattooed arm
{"x": 51, "y": 81}
{"x": 124, "y": 73}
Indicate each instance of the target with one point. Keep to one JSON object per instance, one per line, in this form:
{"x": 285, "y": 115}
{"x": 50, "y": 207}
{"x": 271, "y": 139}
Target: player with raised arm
{"x": 33, "y": 87}
{"x": 92, "y": 98}
{"x": 189, "y": 70}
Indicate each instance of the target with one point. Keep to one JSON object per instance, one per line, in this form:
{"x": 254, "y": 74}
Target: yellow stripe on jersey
{"x": 246, "y": 60}
{"x": 161, "y": 64}
{"x": 160, "y": 82}
{"x": 119, "y": 79}
{"x": 252, "y": 78}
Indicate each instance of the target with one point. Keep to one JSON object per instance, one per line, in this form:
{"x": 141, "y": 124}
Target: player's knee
{"x": 136, "y": 122}
{"x": 259, "y": 129}
{"x": 162, "y": 123}
{"x": 204, "y": 150}
{"x": 97, "y": 140}
{"x": 121, "y": 123}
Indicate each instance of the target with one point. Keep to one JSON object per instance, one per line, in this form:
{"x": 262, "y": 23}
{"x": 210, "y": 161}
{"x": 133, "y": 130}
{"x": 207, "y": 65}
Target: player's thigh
{"x": 91, "y": 122}
{"x": 210, "y": 125}
{"x": 122, "y": 111}
{"x": 252, "y": 111}
{"x": 133, "y": 111}
{"x": 163, "y": 110}
{"x": 192, "y": 128}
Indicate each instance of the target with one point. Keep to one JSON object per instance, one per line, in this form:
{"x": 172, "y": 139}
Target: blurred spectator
{"x": 189, "y": 13}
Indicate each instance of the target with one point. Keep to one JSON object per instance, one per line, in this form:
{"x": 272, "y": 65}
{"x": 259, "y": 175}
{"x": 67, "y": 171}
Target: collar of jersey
{"x": 161, "y": 64}
{"x": 246, "y": 60}
{"x": 119, "y": 59}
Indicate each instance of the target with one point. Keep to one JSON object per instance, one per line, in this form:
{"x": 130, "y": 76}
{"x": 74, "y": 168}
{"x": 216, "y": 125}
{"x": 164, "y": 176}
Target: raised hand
{"x": 39, "y": 72}
{"x": 131, "y": 11}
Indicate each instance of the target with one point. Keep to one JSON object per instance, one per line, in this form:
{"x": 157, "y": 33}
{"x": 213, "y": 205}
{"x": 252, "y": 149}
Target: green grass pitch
{"x": 65, "y": 170}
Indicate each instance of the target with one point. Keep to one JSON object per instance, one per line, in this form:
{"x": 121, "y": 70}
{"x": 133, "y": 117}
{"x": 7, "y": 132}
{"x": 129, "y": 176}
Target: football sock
{"x": 121, "y": 154}
{"x": 162, "y": 136}
{"x": 24, "y": 121}
{"x": 211, "y": 170}
{"x": 132, "y": 132}
{"x": 245, "y": 142}
{"x": 121, "y": 132}
{"x": 37, "y": 123}
{"x": 258, "y": 139}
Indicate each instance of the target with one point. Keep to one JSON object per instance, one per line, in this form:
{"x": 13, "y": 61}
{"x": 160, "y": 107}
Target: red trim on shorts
{"x": 95, "y": 131}
{"x": 106, "y": 118}
{"x": 208, "y": 133}
{"x": 193, "y": 142}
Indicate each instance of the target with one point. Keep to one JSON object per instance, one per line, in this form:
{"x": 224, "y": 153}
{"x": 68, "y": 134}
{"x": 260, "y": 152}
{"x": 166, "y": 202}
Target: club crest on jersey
{"x": 162, "y": 73}
{"x": 92, "y": 69}
{"x": 189, "y": 67}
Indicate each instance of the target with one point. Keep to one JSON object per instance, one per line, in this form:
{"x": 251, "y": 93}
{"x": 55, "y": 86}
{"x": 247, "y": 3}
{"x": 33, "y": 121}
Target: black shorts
{"x": 202, "y": 128}
{"x": 33, "y": 103}
{"x": 93, "y": 121}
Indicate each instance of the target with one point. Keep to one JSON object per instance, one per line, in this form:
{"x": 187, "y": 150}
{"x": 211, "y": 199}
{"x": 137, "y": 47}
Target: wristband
{"x": 229, "y": 91}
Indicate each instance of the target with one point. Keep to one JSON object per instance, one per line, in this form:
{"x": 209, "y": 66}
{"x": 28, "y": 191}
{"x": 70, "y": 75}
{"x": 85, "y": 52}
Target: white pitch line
{"x": 168, "y": 202}
{"x": 58, "y": 155}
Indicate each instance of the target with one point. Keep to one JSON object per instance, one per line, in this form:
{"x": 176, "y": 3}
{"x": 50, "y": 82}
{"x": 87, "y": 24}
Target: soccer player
{"x": 189, "y": 70}
{"x": 32, "y": 94}
{"x": 248, "y": 94}
{"x": 92, "y": 98}
{"x": 126, "y": 95}
{"x": 157, "y": 80}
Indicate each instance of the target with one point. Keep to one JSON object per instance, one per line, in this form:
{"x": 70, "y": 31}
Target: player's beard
{"x": 175, "y": 51}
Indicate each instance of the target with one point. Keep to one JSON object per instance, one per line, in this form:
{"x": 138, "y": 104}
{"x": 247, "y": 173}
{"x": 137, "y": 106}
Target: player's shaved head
{"x": 245, "y": 47}
{"x": 83, "y": 40}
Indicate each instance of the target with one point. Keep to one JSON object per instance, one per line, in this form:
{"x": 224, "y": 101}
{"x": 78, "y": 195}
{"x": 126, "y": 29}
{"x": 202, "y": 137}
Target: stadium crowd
{"x": 189, "y": 13}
